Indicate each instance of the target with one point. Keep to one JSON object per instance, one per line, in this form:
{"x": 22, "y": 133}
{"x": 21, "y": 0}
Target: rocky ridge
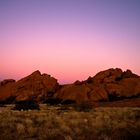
{"x": 106, "y": 86}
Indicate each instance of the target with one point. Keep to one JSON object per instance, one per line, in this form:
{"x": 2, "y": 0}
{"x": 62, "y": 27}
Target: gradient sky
{"x": 68, "y": 39}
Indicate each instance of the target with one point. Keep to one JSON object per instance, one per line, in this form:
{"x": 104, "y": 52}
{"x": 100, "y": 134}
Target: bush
{"x": 83, "y": 106}
{"x": 52, "y": 101}
{"x": 68, "y": 102}
{"x": 2, "y": 105}
{"x": 26, "y": 105}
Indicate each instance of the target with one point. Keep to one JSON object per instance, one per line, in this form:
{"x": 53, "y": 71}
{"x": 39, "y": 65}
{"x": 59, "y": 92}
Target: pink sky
{"x": 68, "y": 44}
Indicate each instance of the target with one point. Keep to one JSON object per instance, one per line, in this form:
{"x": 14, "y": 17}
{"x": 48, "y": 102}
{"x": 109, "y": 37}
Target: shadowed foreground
{"x": 65, "y": 123}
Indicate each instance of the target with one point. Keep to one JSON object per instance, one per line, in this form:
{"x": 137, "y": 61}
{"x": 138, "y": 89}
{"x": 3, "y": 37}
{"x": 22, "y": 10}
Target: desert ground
{"x": 67, "y": 123}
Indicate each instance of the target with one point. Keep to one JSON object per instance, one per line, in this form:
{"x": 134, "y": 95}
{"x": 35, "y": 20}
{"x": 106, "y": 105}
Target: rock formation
{"x": 34, "y": 86}
{"x": 107, "y": 86}
{"x": 73, "y": 92}
{"x": 6, "y": 88}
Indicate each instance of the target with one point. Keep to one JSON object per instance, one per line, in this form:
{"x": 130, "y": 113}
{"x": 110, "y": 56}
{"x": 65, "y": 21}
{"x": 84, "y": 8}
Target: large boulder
{"x": 107, "y": 76}
{"x": 129, "y": 87}
{"x": 116, "y": 83}
{"x": 98, "y": 93}
{"x": 36, "y": 86}
{"x": 81, "y": 92}
{"x": 6, "y": 88}
{"x": 74, "y": 92}
{"x": 108, "y": 85}
{"x": 112, "y": 76}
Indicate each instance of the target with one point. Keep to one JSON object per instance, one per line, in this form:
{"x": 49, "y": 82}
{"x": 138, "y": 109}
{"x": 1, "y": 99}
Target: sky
{"x": 68, "y": 39}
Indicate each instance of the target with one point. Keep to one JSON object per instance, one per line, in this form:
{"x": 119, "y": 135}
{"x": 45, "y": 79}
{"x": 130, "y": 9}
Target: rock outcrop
{"x": 6, "y": 88}
{"x": 73, "y": 92}
{"x": 35, "y": 86}
{"x": 117, "y": 83}
{"x": 106, "y": 86}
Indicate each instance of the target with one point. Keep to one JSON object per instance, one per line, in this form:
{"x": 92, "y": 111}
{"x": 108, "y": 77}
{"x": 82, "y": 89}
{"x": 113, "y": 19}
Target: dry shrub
{"x": 70, "y": 125}
{"x": 2, "y": 105}
{"x": 26, "y": 105}
{"x": 83, "y": 106}
{"x": 55, "y": 101}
